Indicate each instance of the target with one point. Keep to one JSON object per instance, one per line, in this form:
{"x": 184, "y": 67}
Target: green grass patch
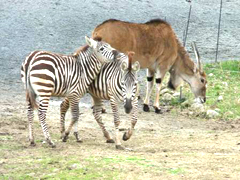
{"x": 176, "y": 171}
{"x": 223, "y": 82}
{"x": 54, "y": 166}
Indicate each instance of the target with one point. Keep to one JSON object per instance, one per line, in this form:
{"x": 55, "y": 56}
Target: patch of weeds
{"x": 176, "y": 171}
{"x": 7, "y": 146}
{"x": 5, "y": 138}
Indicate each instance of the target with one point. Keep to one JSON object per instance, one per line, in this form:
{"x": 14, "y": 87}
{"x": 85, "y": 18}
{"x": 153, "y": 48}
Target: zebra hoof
{"x": 104, "y": 111}
{"x": 158, "y": 110}
{"x": 125, "y": 137}
{"x": 32, "y": 144}
{"x": 110, "y": 141}
{"x": 64, "y": 139}
{"x": 53, "y": 145}
{"x": 79, "y": 141}
{"x": 120, "y": 147}
{"x": 146, "y": 108}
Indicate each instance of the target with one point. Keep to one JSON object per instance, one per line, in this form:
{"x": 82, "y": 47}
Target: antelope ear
{"x": 124, "y": 66}
{"x": 97, "y": 38}
{"x": 136, "y": 66}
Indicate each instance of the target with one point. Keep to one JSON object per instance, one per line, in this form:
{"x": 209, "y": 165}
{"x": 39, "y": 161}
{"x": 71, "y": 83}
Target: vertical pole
{"x": 219, "y": 25}
{"x": 185, "y": 32}
{"x": 189, "y": 15}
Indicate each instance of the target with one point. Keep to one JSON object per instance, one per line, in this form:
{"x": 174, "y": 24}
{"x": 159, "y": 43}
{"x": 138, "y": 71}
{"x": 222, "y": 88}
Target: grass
{"x": 223, "y": 81}
{"x": 55, "y": 166}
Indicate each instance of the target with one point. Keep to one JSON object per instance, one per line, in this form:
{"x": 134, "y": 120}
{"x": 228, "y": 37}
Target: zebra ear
{"x": 124, "y": 66}
{"x": 92, "y": 43}
{"x": 136, "y": 66}
{"x": 87, "y": 40}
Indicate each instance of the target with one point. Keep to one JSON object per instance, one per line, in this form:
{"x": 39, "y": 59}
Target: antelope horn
{"x": 197, "y": 56}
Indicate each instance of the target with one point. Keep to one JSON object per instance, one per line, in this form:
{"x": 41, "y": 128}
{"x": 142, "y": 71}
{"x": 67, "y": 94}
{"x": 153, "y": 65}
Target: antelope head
{"x": 191, "y": 73}
{"x": 198, "y": 81}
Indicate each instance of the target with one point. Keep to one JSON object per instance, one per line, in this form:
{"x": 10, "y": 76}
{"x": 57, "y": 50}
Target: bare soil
{"x": 177, "y": 147}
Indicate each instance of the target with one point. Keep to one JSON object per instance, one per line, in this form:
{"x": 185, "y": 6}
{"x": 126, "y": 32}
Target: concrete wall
{"x": 60, "y": 25}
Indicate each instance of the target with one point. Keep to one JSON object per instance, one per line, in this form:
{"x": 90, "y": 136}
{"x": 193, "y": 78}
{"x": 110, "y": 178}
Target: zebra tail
{"x": 31, "y": 95}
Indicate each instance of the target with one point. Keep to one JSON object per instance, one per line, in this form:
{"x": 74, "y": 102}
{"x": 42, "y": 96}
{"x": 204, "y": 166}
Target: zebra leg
{"x": 129, "y": 133}
{"x": 116, "y": 123}
{"x": 150, "y": 77}
{"x": 30, "y": 123}
{"x": 42, "y": 110}
{"x": 63, "y": 110}
{"x": 103, "y": 108}
{"x": 75, "y": 115}
{"x": 97, "y": 110}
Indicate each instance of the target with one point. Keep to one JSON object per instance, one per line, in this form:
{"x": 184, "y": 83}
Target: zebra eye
{"x": 202, "y": 80}
{"x": 101, "y": 49}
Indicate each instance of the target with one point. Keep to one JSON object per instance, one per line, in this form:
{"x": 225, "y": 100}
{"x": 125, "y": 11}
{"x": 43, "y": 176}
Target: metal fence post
{"x": 219, "y": 25}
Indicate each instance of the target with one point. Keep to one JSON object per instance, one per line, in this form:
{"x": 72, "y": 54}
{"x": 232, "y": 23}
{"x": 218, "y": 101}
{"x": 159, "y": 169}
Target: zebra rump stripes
{"x": 47, "y": 74}
{"x": 117, "y": 82}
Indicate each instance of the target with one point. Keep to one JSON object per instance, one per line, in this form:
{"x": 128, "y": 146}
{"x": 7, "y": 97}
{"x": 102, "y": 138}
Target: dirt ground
{"x": 168, "y": 146}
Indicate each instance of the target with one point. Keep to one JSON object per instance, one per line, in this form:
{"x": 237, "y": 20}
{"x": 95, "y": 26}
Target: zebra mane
{"x": 80, "y": 49}
{"x": 130, "y": 58}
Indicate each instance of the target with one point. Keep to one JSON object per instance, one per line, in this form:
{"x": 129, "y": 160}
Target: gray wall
{"x": 60, "y": 26}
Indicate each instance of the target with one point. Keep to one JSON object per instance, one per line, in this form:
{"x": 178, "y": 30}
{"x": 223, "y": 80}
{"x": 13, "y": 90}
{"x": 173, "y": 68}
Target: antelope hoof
{"x": 125, "y": 137}
{"x": 158, "y": 110}
{"x": 110, "y": 141}
{"x": 120, "y": 147}
{"x": 146, "y": 108}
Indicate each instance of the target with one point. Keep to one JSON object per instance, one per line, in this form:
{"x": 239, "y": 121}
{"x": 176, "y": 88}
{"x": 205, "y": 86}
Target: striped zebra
{"x": 47, "y": 74}
{"x": 117, "y": 82}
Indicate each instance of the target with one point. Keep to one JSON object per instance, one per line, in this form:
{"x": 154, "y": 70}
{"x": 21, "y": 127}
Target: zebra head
{"x": 104, "y": 52}
{"x": 129, "y": 81}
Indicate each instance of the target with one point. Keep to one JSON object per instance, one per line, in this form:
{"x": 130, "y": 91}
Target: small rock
{"x": 187, "y": 103}
{"x": 196, "y": 107}
{"x": 164, "y": 91}
{"x": 220, "y": 98}
{"x": 190, "y": 113}
{"x": 74, "y": 166}
{"x": 167, "y": 97}
{"x": 212, "y": 114}
{"x": 225, "y": 83}
{"x": 176, "y": 94}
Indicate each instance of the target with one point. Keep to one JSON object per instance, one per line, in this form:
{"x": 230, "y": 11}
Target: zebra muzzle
{"x": 128, "y": 106}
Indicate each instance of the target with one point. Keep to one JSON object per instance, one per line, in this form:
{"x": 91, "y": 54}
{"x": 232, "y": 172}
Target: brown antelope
{"x": 157, "y": 49}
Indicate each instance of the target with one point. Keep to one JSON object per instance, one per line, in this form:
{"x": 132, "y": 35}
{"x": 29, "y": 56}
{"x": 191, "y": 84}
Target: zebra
{"x": 117, "y": 82}
{"x": 47, "y": 74}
